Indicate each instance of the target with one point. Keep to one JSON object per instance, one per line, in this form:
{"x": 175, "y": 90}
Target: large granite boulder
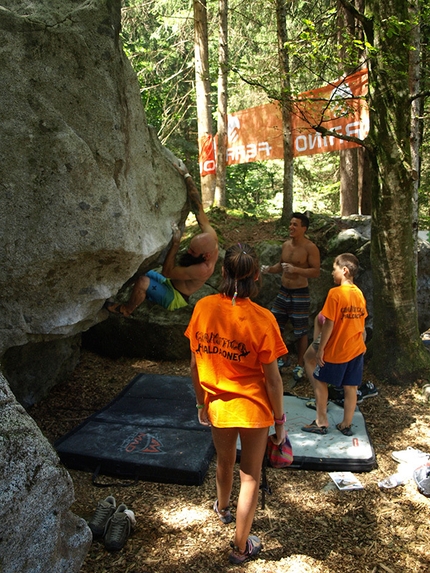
{"x": 88, "y": 195}
{"x": 87, "y": 198}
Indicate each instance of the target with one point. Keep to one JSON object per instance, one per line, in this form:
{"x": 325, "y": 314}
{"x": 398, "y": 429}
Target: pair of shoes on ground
{"x": 224, "y": 515}
{"x": 253, "y": 548}
{"x": 113, "y": 524}
{"x": 313, "y": 428}
{"x": 366, "y": 390}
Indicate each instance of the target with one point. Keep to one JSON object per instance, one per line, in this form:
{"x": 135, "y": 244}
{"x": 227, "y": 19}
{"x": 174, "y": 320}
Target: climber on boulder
{"x": 173, "y": 287}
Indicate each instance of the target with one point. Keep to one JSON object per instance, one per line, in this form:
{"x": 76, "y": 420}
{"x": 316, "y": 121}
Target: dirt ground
{"x": 307, "y": 526}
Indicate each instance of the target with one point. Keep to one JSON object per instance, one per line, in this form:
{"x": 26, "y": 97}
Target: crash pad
{"x": 150, "y": 431}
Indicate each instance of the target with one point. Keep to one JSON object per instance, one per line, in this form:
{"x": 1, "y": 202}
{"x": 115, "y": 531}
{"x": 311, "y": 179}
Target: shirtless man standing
{"x": 300, "y": 261}
{"x": 173, "y": 288}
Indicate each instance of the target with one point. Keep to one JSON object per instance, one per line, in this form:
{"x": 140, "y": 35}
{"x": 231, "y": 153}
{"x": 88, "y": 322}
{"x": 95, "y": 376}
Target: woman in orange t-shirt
{"x": 235, "y": 345}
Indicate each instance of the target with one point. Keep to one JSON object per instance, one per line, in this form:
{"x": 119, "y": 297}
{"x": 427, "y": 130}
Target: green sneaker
{"x": 119, "y": 527}
{"x": 104, "y": 511}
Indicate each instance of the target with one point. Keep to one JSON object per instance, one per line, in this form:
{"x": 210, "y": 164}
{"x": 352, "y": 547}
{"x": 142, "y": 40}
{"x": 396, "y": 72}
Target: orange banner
{"x": 339, "y": 107}
{"x": 255, "y": 134}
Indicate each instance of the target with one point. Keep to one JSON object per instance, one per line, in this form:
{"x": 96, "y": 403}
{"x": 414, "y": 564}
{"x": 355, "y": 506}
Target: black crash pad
{"x": 150, "y": 431}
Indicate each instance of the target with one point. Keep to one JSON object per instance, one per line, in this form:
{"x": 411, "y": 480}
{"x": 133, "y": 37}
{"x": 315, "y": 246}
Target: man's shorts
{"x": 344, "y": 374}
{"x": 293, "y": 304}
{"x": 162, "y": 292}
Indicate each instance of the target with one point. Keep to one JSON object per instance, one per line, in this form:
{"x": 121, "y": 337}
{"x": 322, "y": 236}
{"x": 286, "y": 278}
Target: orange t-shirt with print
{"x": 230, "y": 343}
{"x": 346, "y": 307}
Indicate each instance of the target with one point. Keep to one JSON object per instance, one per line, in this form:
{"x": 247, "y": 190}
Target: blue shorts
{"x": 293, "y": 304}
{"x": 344, "y": 374}
{"x": 162, "y": 292}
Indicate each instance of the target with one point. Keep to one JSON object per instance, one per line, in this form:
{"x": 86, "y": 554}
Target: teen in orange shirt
{"x": 235, "y": 345}
{"x": 340, "y": 355}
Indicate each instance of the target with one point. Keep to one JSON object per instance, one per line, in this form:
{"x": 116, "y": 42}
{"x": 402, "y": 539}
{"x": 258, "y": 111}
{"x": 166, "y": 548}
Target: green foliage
{"x": 158, "y": 39}
{"x": 257, "y": 188}
{"x": 316, "y": 183}
{"x": 252, "y": 187}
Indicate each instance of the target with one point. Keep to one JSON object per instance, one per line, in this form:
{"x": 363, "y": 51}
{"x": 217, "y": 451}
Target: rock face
{"x": 87, "y": 192}
{"x": 38, "y": 533}
{"x": 87, "y": 197}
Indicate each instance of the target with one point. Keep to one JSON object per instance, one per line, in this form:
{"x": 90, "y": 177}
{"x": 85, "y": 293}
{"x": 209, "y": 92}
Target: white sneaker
{"x": 410, "y": 456}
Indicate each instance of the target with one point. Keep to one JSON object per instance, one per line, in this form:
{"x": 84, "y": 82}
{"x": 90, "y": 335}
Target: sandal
{"x": 224, "y": 514}
{"x": 345, "y": 431}
{"x": 313, "y": 428}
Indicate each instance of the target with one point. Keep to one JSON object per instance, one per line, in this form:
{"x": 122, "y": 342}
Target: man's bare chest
{"x": 295, "y": 255}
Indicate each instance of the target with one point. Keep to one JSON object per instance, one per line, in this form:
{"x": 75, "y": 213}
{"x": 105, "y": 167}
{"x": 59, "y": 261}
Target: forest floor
{"x": 307, "y": 525}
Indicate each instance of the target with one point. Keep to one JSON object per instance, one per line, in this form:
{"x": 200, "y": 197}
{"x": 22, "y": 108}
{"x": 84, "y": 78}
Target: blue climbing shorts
{"x": 344, "y": 374}
{"x": 161, "y": 291}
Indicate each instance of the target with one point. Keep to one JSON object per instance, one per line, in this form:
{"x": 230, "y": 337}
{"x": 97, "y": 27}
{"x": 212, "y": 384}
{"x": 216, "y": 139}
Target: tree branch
{"x": 253, "y": 83}
{"x": 328, "y": 133}
{"x": 367, "y": 22}
{"x": 419, "y": 95}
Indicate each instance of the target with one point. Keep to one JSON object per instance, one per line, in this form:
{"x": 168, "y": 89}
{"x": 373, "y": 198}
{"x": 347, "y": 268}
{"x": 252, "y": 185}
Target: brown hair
{"x": 241, "y": 269}
{"x": 349, "y": 261}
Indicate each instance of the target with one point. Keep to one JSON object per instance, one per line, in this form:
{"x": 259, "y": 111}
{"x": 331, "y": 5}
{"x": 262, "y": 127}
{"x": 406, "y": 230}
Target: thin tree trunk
{"x": 364, "y": 182}
{"x": 203, "y": 90}
{"x": 284, "y": 69}
{"x": 220, "y": 189}
{"x": 348, "y": 182}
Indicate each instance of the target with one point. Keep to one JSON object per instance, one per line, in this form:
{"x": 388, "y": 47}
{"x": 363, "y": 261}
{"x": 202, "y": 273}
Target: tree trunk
{"x": 284, "y": 68}
{"x": 350, "y": 173}
{"x": 349, "y": 182}
{"x": 220, "y": 189}
{"x": 416, "y": 116}
{"x": 364, "y": 182}
{"x": 203, "y": 90}
{"x": 401, "y": 356}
